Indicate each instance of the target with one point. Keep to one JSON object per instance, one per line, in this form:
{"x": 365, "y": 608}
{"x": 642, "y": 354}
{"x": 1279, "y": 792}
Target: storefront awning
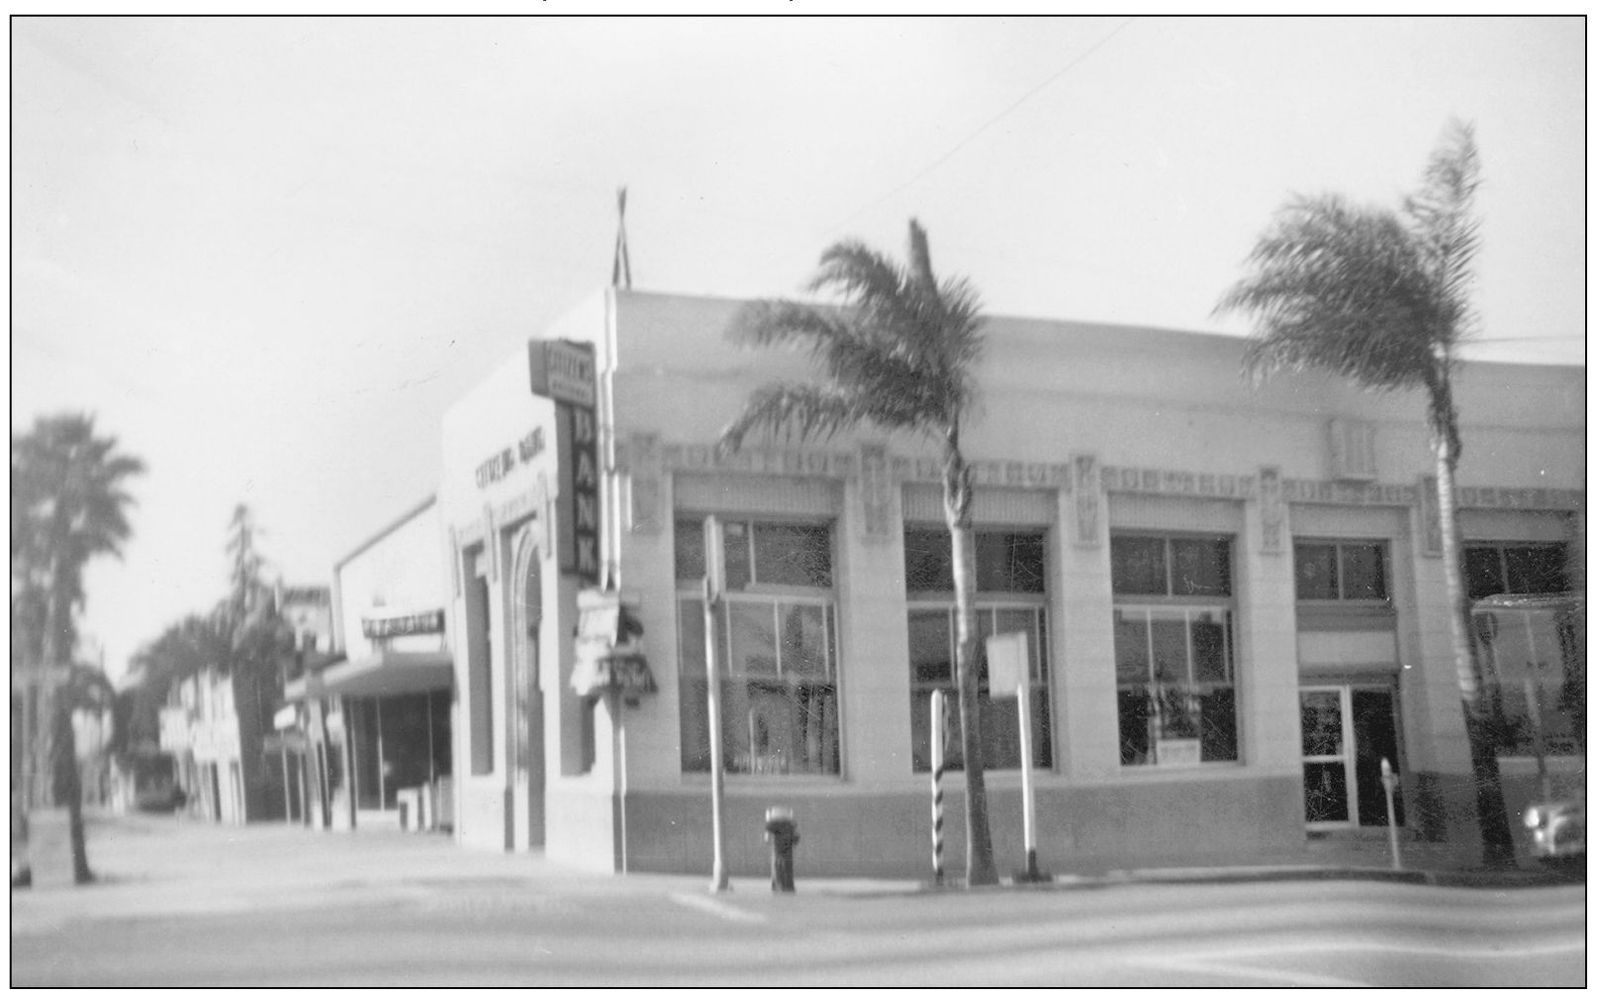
{"x": 386, "y": 672}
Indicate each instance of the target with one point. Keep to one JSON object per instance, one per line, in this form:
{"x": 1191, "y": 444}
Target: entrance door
{"x": 1346, "y": 730}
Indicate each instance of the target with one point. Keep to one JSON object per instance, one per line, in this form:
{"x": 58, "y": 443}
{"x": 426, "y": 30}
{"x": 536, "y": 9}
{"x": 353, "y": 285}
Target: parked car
{"x": 1559, "y": 831}
{"x": 162, "y": 797}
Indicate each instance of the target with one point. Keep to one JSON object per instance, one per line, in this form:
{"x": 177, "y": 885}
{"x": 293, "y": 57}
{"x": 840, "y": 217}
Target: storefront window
{"x": 1515, "y": 568}
{"x": 1010, "y": 589}
{"x": 1534, "y": 656}
{"x": 1175, "y": 687}
{"x": 779, "y": 702}
{"x": 1340, "y": 571}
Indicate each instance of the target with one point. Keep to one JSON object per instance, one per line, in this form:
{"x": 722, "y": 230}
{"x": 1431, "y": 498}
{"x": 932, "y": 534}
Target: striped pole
{"x": 938, "y": 733}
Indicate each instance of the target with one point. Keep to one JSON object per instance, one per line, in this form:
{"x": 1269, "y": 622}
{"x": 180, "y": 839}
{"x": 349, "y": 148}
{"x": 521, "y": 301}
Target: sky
{"x": 267, "y": 254}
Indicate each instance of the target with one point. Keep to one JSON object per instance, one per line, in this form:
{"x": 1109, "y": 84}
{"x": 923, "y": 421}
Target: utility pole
{"x": 715, "y": 579}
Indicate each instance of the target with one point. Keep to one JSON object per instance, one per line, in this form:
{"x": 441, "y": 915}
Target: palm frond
{"x": 1341, "y": 288}
{"x": 1442, "y": 217}
{"x": 896, "y": 351}
{"x": 802, "y": 411}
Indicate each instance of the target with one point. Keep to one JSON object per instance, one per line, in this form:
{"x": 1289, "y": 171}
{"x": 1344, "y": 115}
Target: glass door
{"x": 1323, "y": 726}
{"x": 1346, "y": 731}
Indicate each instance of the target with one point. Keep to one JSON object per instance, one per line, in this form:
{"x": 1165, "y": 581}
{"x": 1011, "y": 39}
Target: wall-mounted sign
{"x": 562, "y": 370}
{"x": 499, "y": 465}
{"x": 411, "y": 624}
{"x": 609, "y": 649}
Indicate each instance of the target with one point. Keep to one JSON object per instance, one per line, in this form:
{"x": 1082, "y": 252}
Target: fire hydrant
{"x": 782, "y": 833}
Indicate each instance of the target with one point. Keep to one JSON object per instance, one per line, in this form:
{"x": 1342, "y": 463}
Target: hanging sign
{"x": 565, "y": 372}
{"x": 609, "y": 649}
{"x": 562, "y": 370}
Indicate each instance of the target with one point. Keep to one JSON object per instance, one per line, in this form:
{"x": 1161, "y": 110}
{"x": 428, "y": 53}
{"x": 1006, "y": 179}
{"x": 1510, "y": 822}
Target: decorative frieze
{"x": 1522, "y": 498}
{"x": 1347, "y": 492}
{"x": 1353, "y": 449}
{"x": 1273, "y": 510}
{"x": 455, "y": 560}
{"x": 645, "y": 483}
{"x": 876, "y": 492}
{"x": 798, "y": 462}
{"x": 985, "y": 473}
{"x": 1178, "y": 483}
{"x": 1431, "y": 518}
{"x": 1088, "y": 498}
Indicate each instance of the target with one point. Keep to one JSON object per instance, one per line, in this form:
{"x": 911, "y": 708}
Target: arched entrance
{"x": 525, "y": 702}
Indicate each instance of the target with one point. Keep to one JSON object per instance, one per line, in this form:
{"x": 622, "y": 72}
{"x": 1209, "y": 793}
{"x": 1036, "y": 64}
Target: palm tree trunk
{"x": 54, "y": 651}
{"x": 69, "y": 787}
{"x": 957, "y": 510}
{"x": 1497, "y": 845}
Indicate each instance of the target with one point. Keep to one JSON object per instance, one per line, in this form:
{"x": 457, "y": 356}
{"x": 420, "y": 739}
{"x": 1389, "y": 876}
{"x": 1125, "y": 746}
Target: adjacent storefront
{"x": 377, "y": 720}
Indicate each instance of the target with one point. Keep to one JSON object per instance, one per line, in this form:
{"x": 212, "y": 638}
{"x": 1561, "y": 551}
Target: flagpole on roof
{"x": 621, "y": 269}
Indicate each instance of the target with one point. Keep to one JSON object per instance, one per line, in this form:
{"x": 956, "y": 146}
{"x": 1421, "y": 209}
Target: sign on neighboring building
{"x": 410, "y": 624}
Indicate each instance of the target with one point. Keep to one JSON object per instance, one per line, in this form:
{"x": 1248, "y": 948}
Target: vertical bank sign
{"x": 564, "y": 372}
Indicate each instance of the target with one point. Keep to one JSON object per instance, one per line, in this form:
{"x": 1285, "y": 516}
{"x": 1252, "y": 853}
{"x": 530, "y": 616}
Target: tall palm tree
{"x": 69, "y": 505}
{"x": 1383, "y": 297}
{"x": 901, "y": 356}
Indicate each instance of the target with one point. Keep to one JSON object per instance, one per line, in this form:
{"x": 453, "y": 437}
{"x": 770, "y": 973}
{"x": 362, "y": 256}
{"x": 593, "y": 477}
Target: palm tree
{"x": 69, "y": 505}
{"x": 1382, "y": 297}
{"x": 900, "y": 356}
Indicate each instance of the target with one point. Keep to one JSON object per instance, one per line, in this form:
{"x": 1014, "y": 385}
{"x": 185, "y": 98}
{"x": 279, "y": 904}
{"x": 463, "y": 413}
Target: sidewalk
{"x": 161, "y": 864}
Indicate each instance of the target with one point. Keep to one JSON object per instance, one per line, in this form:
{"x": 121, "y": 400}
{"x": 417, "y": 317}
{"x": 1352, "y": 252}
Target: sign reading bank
{"x": 565, "y": 372}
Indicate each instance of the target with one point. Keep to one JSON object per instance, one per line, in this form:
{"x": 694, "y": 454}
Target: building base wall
{"x": 887, "y": 832}
{"x": 581, "y": 830}
{"x": 480, "y": 820}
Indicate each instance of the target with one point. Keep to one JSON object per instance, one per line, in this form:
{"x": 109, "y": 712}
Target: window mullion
{"x": 777, "y": 634}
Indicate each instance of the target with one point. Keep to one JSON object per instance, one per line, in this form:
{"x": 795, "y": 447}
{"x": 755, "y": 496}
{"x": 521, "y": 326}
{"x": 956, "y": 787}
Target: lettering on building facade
{"x": 499, "y": 466}
{"x": 411, "y": 624}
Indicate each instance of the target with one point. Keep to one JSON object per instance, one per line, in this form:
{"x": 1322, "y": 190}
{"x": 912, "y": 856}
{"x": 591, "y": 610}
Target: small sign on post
{"x": 1009, "y": 674}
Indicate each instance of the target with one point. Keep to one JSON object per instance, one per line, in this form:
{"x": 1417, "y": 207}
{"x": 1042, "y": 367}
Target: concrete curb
{"x": 1456, "y": 878}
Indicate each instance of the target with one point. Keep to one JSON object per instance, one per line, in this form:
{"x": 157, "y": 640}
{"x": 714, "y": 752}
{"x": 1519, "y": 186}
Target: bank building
{"x": 1233, "y": 600}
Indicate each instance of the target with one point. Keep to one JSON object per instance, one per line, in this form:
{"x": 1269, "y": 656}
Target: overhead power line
{"x": 990, "y": 122}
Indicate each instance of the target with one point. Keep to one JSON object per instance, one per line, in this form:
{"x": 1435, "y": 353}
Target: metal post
{"x": 1534, "y": 707}
{"x": 1389, "y": 782}
{"x": 714, "y": 579}
{"x": 1023, "y": 700}
{"x": 288, "y": 797}
{"x": 938, "y": 726}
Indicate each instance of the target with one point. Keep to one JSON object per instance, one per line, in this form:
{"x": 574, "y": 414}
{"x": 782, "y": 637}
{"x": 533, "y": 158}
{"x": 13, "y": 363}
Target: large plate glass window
{"x": 1530, "y": 629}
{"x": 779, "y": 690}
{"x": 1010, "y": 568}
{"x": 1176, "y": 688}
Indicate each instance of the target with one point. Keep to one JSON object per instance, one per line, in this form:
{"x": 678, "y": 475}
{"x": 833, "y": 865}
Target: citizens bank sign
{"x": 565, "y": 372}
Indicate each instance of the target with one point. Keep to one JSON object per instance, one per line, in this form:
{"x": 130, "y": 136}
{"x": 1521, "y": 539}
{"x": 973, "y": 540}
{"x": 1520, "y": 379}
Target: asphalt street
{"x": 271, "y": 907}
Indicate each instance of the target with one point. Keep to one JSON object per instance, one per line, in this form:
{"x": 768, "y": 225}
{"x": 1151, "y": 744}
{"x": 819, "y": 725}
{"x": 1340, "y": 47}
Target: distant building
{"x": 218, "y": 725}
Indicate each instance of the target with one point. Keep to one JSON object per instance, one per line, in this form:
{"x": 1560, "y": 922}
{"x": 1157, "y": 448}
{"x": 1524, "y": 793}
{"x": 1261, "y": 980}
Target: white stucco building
{"x": 1233, "y": 597}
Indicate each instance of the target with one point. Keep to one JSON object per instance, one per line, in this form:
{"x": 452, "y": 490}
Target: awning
{"x": 386, "y": 672}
